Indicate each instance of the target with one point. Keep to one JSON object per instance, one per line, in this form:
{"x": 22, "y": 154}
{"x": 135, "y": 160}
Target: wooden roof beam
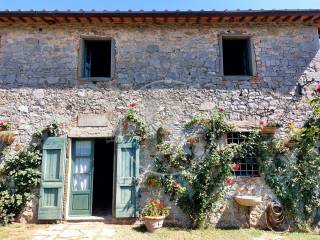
{"x": 11, "y": 19}
{"x": 308, "y": 18}
{"x": 276, "y": 18}
{"x": 22, "y": 19}
{"x": 296, "y": 18}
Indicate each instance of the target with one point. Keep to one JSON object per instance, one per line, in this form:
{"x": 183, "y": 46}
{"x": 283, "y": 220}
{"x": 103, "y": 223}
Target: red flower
{"x": 229, "y": 181}
{"x": 317, "y": 89}
{"x": 176, "y": 185}
{"x": 133, "y": 105}
{"x": 220, "y": 109}
{"x": 235, "y": 167}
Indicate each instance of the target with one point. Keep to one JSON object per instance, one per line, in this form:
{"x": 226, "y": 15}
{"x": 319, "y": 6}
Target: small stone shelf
{"x": 248, "y": 201}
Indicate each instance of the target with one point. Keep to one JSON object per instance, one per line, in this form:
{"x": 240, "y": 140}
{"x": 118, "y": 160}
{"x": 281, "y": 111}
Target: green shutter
{"x": 126, "y": 177}
{"x": 51, "y": 191}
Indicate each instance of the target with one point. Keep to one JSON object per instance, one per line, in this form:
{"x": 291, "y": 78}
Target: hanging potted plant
{"x": 154, "y": 213}
{"x": 6, "y": 136}
{"x": 269, "y": 127}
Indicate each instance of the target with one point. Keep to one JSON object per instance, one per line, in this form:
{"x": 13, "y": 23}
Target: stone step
{"x": 104, "y": 219}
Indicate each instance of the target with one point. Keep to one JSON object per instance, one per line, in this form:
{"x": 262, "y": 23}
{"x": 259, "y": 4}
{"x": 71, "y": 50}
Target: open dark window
{"x": 237, "y": 56}
{"x": 97, "y": 59}
{"x": 248, "y": 165}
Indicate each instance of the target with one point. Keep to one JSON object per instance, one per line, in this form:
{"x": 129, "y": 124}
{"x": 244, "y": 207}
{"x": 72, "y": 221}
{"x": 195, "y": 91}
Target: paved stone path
{"x": 83, "y": 230}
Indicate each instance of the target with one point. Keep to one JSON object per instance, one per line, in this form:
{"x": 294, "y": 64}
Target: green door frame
{"x": 87, "y": 194}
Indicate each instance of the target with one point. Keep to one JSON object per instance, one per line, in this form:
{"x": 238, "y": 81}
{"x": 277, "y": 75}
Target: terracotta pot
{"x": 7, "y": 137}
{"x": 153, "y": 223}
{"x": 268, "y": 130}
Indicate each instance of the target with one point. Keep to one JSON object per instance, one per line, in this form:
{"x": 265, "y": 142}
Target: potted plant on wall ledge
{"x": 154, "y": 213}
{"x": 269, "y": 127}
{"x": 6, "y": 136}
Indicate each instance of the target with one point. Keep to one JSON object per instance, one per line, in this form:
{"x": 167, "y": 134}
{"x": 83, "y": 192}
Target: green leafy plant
{"x": 197, "y": 185}
{"x": 133, "y": 117}
{"x": 153, "y": 181}
{"x": 4, "y": 125}
{"x": 162, "y": 134}
{"x": 155, "y": 208}
{"x": 20, "y": 176}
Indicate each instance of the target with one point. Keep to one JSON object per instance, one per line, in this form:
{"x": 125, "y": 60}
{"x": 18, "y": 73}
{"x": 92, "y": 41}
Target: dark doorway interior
{"x": 103, "y": 177}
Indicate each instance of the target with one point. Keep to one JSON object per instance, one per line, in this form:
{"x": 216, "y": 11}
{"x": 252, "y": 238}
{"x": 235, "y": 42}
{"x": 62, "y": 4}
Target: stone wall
{"x": 171, "y": 71}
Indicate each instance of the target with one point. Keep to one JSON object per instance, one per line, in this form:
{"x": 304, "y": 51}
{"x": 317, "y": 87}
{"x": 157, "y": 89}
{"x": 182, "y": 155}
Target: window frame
{"x": 246, "y": 162}
{"x": 251, "y": 56}
{"x": 83, "y": 39}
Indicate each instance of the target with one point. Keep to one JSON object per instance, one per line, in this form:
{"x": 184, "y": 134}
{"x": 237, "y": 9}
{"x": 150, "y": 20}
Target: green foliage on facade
{"x": 197, "y": 184}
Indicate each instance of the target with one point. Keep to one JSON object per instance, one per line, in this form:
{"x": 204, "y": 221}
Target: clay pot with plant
{"x": 6, "y": 136}
{"x": 269, "y": 127}
{"x": 154, "y": 213}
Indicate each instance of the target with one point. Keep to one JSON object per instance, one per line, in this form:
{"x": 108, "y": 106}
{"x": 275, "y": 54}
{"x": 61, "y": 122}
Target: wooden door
{"x": 81, "y": 178}
{"x": 127, "y": 173}
{"x": 52, "y": 179}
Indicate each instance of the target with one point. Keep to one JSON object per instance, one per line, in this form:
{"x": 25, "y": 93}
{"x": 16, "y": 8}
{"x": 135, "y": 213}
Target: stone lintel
{"x": 90, "y": 132}
{"x": 93, "y": 120}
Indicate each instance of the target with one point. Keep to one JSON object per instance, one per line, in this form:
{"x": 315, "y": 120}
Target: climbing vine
{"x": 133, "y": 124}
{"x": 19, "y": 177}
{"x": 197, "y": 183}
{"x": 291, "y": 168}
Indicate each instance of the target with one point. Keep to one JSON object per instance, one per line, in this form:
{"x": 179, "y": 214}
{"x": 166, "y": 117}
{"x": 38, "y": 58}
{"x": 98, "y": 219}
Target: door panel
{"x": 82, "y": 176}
{"x": 127, "y": 172}
{"x": 51, "y": 190}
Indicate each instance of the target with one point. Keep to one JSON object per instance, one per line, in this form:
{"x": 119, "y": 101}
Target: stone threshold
{"x": 105, "y": 219}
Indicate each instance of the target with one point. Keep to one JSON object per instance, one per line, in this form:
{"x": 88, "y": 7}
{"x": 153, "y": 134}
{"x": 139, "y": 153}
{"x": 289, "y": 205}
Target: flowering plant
{"x": 271, "y": 124}
{"x": 153, "y": 181}
{"x": 155, "y": 208}
{"x": 4, "y": 125}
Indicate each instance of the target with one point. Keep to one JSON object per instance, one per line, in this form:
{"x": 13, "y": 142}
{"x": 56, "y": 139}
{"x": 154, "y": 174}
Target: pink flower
{"x": 317, "y": 89}
{"x": 133, "y": 105}
{"x": 220, "y": 109}
{"x": 235, "y": 167}
{"x": 2, "y": 122}
{"x": 229, "y": 181}
{"x": 261, "y": 122}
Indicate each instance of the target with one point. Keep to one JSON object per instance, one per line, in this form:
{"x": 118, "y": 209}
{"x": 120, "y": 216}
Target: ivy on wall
{"x": 20, "y": 175}
{"x": 197, "y": 184}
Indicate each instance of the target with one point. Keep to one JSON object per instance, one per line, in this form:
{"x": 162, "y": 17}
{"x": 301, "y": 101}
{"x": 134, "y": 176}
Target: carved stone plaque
{"x": 93, "y": 120}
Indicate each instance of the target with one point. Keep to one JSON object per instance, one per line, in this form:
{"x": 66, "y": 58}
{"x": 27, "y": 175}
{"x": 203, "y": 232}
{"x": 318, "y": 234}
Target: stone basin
{"x": 248, "y": 201}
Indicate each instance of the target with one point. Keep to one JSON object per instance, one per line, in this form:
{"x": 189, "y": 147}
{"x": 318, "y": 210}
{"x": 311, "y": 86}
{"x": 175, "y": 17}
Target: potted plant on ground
{"x": 154, "y": 213}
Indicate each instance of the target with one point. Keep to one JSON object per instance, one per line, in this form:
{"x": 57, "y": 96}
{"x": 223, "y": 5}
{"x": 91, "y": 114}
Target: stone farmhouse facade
{"x": 82, "y": 69}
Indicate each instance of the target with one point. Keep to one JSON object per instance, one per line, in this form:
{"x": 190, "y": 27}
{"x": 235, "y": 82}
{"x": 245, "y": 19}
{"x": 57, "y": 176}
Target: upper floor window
{"x": 248, "y": 165}
{"x": 97, "y": 59}
{"x": 237, "y": 56}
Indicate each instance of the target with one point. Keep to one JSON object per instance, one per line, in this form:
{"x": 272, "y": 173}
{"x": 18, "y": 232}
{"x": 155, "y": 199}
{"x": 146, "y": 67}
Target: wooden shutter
{"x": 127, "y": 173}
{"x": 51, "y": 191}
